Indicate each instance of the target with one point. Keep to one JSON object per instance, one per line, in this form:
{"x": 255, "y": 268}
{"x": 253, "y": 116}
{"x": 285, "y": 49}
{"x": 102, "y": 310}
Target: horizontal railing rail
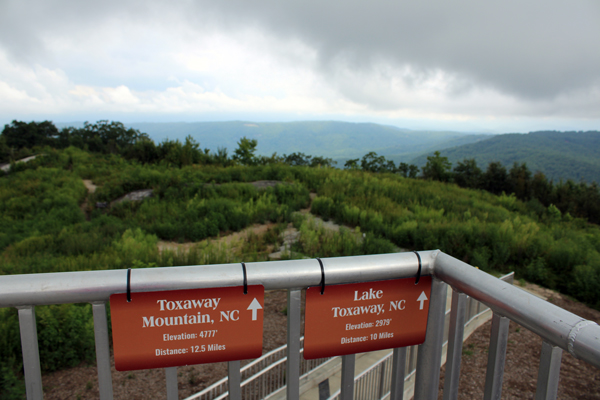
{"x": 560, "y": 329}
{"x": 97, "y": 286}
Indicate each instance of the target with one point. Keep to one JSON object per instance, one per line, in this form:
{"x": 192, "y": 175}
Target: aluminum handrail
{"x": 556, "y": 325}
{"x": 97, "y": 286}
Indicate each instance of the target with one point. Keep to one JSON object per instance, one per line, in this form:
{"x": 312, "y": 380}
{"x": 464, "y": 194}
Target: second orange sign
{"x": 368, "y": 316}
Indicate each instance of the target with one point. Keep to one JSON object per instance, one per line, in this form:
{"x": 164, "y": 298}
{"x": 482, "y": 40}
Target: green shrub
{"x": 65, "y": 335}
{"x": 481, "y": 258}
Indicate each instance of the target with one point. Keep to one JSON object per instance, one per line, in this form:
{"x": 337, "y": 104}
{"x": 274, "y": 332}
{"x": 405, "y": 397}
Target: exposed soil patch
{"x": 136, "y": 195}
{"x": 6, "y": 167}
{"x": 290, "y": 235}
{"x": 258, "y": 184}
{"x": 91, "y": 188}
{"x": 230, "y": 239}
{"x": 90, "y": 185}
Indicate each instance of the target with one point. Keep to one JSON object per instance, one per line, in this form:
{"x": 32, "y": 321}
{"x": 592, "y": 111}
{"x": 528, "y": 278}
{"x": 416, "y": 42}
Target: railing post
{"x": 347, "y": 385}
{"x": 381, "y": 380}
{"x": 455, "y": 343}
{"x": 398, "y": 373}
{"x": 235, "y": 380}
{"x": 102, "y": 351}
{"x": 293, "y": 344}
{"x": 412, "y": 359}
{"x": 549, "y": 372}
{"x": 496, "y": 358}
{"x": 31, "y": 353}
{"x": 171, "y": 378}
{"x": 429, "y": 357}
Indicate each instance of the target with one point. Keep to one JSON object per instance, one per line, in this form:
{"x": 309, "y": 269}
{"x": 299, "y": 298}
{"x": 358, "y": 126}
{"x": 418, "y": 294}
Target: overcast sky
{"x": 505, "y": 66}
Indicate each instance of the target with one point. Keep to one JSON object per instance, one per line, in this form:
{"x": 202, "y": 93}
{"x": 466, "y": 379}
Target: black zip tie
{"x": 322, "y": 276}
{"x": 419, "y": 272}
{"x": 129, "y": 285}
{"x": 245, "y": 279}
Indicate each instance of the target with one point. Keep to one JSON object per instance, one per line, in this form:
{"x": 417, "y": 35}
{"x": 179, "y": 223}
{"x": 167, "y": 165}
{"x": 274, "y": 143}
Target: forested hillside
{"x": 559, "y": 155}
{"x": 333, "y": 139}
{"x": 49, "y": 222}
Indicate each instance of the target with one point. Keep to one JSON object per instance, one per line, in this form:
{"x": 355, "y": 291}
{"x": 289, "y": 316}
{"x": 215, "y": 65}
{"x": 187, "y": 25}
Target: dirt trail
{"x": 6, "y": 167}
{"x": 89, "y": 185}
{"x": 229, "y": 239}
{"x": 91, "y": 188}
{"x": 290, "y": 235}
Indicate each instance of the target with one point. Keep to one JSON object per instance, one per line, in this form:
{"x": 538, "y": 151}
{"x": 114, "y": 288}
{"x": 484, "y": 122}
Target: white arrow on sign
{"x": 421, "y": 299}
{"x": 255, "y": 305}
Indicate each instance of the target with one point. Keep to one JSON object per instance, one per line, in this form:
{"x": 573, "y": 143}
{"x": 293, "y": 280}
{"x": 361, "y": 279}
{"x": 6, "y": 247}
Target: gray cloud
{"x": 534, "y": 51}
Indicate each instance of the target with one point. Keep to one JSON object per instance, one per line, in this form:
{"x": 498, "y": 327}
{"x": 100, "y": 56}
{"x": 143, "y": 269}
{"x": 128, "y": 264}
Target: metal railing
{"x": 270, "y": 380}
{"x": 374, "y": 382}
{"x": 559, "y": 329}
{"x": 261, "y": 377}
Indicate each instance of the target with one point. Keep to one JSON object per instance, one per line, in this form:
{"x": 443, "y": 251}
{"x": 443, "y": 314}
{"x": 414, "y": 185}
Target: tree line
{"x": 19, "y": 139}
{"x": 580, "y": 200}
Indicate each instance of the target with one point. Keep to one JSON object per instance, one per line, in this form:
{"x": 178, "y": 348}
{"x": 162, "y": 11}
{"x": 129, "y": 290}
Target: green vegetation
{"x": 491, "y": 232}
{"x": 559, "y": 155}
{"x": 317, "y": 241}
{"x": 50, "y": 223}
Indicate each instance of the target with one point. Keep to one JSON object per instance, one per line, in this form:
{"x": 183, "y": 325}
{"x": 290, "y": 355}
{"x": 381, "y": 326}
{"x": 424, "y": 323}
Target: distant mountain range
{"x": 559, "y": 155}
{"x": 332, "y": 139}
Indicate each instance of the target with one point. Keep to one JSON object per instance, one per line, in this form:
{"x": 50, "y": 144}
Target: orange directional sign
{"x": 183, "y": 327}
{"x": 367, "y": 316}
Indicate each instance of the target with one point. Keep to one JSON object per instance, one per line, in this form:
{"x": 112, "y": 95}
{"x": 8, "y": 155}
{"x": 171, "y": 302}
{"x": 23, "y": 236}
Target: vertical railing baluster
{"x": 171, "y": 378}
{"x": 429, "y": 357}
{"x": 474, "y": 307}
{"x": 455, "y": 343}
{"x": 412, "y": 359}
{"x": 381, "y": 381}
{"x": 235, "y": 380}
{"x": 293, "y": 344}
{"x": 496, "y": 357}
{"x": 31, "y": 353}
{"x": 102, "y": 351}
{"x": 347, "y": 385}
{"x": 549, "y": 372}
{"x": 263, "y": 386}
{"x": 398, "y": 373}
